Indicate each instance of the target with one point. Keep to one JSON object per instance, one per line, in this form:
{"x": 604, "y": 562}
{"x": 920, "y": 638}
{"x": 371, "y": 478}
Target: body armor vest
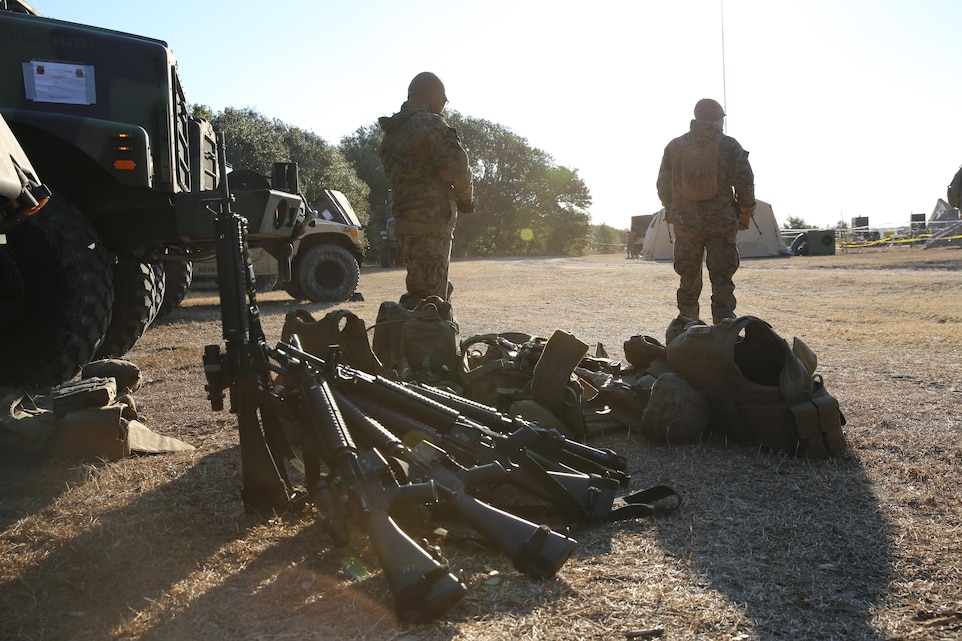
{"x": 760, "y": 391}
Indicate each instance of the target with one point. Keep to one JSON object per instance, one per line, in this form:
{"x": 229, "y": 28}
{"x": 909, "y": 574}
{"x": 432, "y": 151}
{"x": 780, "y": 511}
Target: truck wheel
{"x": 326, "y": 273}
{"x": 138, "y": 294}
{"x": 178, "y": 275}
{"x": 55, "y": 297}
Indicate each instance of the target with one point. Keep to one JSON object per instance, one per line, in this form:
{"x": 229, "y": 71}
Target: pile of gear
{"x": 493, "y": 427}
{"x": 93, "y": 418}
{"x": 737, "y": 379}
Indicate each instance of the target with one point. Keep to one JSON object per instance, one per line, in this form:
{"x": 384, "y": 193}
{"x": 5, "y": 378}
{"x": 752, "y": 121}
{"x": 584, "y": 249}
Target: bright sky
{"x": 848, "y": 107}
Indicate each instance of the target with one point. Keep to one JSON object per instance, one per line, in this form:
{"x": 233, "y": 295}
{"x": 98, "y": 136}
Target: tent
{"x": 762, "y": 238}
{"x": 945, "y": 226}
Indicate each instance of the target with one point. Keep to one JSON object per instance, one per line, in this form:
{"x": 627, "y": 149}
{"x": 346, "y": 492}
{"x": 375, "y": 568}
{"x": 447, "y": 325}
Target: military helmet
{"x": 426, "y": 85}
{"x": 708, "y": 109}
{"x": 676, "y": 412}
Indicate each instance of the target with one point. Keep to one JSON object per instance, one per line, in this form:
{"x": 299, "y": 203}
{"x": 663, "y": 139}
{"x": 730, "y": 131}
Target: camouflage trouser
{"x": 711, "y": 237}
{"x": 427, "y": 260}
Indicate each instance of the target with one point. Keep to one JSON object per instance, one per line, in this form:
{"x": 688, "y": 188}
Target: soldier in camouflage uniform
{"x": 708, "y": 227}
{"x": 430, "y": 184}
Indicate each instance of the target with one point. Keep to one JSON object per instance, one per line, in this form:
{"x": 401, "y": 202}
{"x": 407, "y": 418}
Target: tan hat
{"x": 708, "y": 109}
{"x": 426, "y": 85}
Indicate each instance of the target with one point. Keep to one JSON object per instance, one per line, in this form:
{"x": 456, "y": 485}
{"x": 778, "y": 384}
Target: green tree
{"x": 361, "y": 150}
{"x": 608, "y": 240}
{"x": 525, "y": 203}
{"x": 252, "y": 140}
{"x": 795, "y": 222}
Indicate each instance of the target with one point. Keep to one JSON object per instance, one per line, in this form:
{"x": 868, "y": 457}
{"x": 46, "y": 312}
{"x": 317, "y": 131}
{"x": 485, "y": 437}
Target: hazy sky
{"x": 848, "y": 108}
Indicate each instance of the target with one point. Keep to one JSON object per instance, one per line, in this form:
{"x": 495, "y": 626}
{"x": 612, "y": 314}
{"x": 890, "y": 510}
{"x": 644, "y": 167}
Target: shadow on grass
{"x": 182, "y": 561}
{"x": 801, "y": 545}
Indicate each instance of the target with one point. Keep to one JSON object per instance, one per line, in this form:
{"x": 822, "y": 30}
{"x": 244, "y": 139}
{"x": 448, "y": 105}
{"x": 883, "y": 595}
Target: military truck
{"x": 103, "y": 118}
{"x": 327, "y": 260}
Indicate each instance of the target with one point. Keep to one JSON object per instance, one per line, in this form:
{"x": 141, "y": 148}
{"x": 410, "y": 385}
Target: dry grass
{"x": 764, "y": 547}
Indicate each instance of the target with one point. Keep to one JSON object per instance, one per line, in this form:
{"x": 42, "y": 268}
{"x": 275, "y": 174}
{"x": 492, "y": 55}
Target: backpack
{"x": 530, "y": 376}
{"x": 697, "y": 165}
{"x": 760, "y": 391}
{"x": 338, "y": 327}
{"x": 419, "y": 345}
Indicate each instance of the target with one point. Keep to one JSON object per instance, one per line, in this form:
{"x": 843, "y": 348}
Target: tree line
{"x": 525, "y": 203}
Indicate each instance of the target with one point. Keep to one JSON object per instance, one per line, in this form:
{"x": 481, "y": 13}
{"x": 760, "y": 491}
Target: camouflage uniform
{"x": 707, "y": 228}
{"x": 430, "y": 183}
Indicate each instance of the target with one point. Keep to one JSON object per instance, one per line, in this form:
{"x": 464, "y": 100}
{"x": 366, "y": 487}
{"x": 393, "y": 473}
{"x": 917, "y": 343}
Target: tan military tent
{"x": 762, "y": 238}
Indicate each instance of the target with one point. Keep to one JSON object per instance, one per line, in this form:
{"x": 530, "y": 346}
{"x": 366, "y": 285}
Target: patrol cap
{"x": 426, "y": 85}
{"x": 708, "y": 109}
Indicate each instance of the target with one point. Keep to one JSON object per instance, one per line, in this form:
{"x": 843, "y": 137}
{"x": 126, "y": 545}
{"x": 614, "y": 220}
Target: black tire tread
{"x": 67, "y": 285}
{"x": 138, "y": 295}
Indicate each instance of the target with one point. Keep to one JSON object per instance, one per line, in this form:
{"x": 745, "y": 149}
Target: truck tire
{"x": 138, "y": 294}
{"x": 55, "y": 297}
{"x": 178, "y": 275}
{"x": 326, "y": 273}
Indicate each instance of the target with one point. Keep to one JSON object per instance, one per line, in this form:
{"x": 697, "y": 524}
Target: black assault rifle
{"x": 534, "y": 549}
{"x": 359, "y": 488}
{"x": 538, "y": 461}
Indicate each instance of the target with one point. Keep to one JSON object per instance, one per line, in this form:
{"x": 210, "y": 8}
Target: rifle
{"x": 361, "y": 487}
{"x": 413, "y": 416}
{"x": 535, "y": 550}
{"x": 549, "y": 443}
{"x": 243, "y": 368}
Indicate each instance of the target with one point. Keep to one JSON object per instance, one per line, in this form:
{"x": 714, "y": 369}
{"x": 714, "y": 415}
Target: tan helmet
{"x": 708, "y": 109}
{"x": 427, "y": 88}
{"x": 676, "y": 412}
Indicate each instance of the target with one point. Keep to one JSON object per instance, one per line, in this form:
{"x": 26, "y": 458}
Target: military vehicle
{"x": 103, "y": 118}
{"x": 327, "y": 259}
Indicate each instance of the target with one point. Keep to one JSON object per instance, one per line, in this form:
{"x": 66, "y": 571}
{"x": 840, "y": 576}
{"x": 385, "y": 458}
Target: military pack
{"x": 419, "y": 345}
{"x": 339, "y": 327}
{"x": 530, "y": 376}
{"x": 697, "y": 165}
{"x": 760, "y": 390}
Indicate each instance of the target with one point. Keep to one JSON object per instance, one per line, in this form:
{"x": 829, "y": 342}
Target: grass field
{"x": 765, "y": 546}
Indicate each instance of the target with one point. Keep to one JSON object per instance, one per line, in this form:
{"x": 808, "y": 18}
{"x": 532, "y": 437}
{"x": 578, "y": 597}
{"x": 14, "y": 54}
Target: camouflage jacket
{"x": 735, "y": 178}
{"x": 428, "y": 170}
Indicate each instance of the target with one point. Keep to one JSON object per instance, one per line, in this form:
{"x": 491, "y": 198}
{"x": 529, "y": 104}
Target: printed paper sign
{"x": 60, "y": 82}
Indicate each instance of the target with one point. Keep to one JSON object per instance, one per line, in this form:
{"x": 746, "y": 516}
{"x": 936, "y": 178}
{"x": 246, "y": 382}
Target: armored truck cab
{"x": 103, "y": 118}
